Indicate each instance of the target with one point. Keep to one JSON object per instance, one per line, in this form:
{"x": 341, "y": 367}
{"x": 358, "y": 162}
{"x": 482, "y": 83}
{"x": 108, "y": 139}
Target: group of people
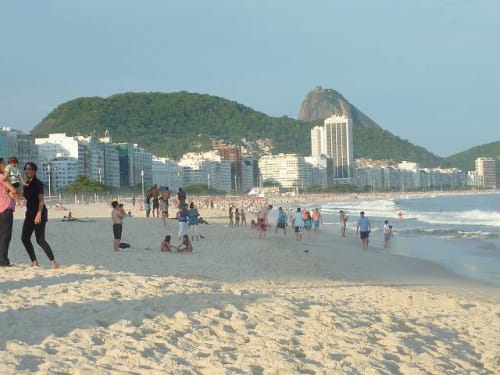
{"x": 363, "y": 229}
{"x": 302, "y": 221}
{"x": 36, "y": 216}
{"x": 187, "y": 216}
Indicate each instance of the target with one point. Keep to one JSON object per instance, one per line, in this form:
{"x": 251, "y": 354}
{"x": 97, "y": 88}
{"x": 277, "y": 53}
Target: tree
{"x": 84, "y": 185}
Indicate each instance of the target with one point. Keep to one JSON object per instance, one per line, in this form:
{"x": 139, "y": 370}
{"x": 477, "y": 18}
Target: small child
{"x": 165, "y": 244}
{"x": 14, "y": 175}
{"x": 185, "y": 245}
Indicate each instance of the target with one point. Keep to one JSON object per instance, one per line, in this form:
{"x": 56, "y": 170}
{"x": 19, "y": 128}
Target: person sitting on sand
{"x": 185, "y": 245}
{"x": 165, "y": 244}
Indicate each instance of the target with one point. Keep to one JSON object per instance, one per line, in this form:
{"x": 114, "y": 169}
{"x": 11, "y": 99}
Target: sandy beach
{"x": 236, "y": 305}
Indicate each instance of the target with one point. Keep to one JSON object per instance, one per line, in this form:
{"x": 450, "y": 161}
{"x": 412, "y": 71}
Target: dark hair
{"x": 114, "y": 204}
{"x": 31, "y": 165}
{"x": 1, "y": 160}
{"x": 167, "y": 238}
{"x": 12, "y": 159}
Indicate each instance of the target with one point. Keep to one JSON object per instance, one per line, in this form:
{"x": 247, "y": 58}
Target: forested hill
{"x": 466, "y": 160}
{"x": 171, "y": 124}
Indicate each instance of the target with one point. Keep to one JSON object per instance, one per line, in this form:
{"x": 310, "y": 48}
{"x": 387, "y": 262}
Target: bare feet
{"x": 35, "y": 264}
{"x": 54, "y": 264}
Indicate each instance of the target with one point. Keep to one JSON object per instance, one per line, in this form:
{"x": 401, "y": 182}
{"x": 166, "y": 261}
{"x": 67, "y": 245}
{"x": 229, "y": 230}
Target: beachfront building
{"x": 57, "y": 173}
{"x": 207, "y": 168}
{"x": 486, "y": 173}
{"x": 317, "y": 141}
{"x": 289, "y": 171}
{"x": 338, "y": 145}
{"x": 15, "y": 143}
{"x": 167, "y": 172}
{"x": 232, "y": 154}
{"x": 8, "y": 142}
{"x": 321, "y": 170}
{"x": 372, "y": 175}
{"x": 249, "y": 173}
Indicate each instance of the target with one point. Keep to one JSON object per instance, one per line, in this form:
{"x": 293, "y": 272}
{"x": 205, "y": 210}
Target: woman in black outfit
{"x": 36, "y": 215}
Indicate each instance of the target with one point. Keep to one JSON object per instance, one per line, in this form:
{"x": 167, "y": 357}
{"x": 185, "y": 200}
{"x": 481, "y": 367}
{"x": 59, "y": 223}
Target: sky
{"x": 426, "y": 70}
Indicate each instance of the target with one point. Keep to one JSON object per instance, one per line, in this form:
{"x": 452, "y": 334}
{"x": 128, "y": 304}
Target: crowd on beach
{"x": 156, "y": 203}
{"x": 302, "y": 221}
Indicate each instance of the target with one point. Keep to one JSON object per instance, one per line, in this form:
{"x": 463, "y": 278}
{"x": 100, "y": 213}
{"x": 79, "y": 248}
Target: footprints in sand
{"x": 108, "y": 321}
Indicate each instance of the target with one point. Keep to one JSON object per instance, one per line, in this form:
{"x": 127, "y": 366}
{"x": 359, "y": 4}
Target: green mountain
{"x": 465, "y": 160}
{"x": 171, "y": 124}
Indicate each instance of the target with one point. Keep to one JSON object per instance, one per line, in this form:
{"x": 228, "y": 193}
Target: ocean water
{"x": 459, "y": 232}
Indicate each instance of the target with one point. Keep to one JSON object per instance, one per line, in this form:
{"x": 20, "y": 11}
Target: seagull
{"x": 306, "y": 250}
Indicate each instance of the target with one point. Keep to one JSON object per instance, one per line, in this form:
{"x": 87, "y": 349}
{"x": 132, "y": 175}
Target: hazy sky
{"x": 426, "y": 70}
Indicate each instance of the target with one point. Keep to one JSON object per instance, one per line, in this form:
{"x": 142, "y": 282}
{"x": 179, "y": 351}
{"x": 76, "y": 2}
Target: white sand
{"x": 237, "y": 305}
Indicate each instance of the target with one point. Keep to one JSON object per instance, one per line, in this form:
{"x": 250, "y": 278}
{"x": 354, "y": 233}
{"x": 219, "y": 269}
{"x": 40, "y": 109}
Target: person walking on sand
{"x": 36, "y": 216}
{"x": 343, "y": 222}
{"x": 298, "y": 224}
{"x": 281, "y": 223}
{"x": 117, "y": 215}
{"x": 316, "y": 219}
{"x": 8, "y": 196}
{"x": 363, "y": 228}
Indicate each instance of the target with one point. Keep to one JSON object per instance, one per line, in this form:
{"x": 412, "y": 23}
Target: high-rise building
{"x": 231, "y": 153}
{"x": 317, "y": 141}
{"x": 338, "y": 145}
{"x": 486, "y": 173}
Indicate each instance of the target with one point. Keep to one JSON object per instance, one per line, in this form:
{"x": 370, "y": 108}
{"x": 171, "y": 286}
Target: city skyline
{"x": 422, "y": 70}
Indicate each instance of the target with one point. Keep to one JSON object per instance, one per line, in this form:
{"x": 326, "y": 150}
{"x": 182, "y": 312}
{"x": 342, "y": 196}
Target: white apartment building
{"x": 317, "y": 141}
{"x": 338, "y": 145}
{"x": 486, "y": 173}
{"x": 289, "y": 170}
{"x": 60, "y": 145}
{"x": 206, "y": 168}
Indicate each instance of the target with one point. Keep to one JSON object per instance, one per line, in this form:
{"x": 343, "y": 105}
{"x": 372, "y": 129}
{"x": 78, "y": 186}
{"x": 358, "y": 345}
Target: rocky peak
{"x": 321, "y": 103}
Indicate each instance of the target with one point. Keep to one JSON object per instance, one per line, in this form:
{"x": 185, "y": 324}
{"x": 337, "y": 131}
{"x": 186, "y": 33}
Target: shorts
{"x": 364, "y": 235}
{"x": 281, "y": 225}
{"x": 298, "y": 229}
{"x": 117, "y": 231}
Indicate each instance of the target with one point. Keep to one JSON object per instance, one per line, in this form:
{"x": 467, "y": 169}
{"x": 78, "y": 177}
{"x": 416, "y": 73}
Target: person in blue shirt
{"x": 193, "y": 215}
{"x": 364, "y": 229}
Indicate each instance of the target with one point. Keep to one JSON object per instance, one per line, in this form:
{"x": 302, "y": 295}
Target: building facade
{"x": 338, "y": 145}
{"x": 290, "y": 171}
{"x": 486, "y": 173}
